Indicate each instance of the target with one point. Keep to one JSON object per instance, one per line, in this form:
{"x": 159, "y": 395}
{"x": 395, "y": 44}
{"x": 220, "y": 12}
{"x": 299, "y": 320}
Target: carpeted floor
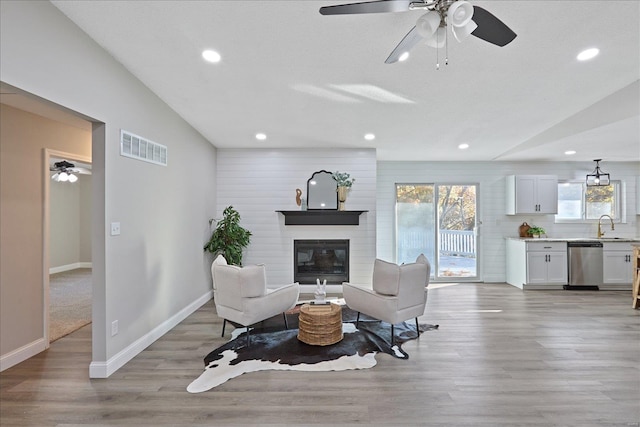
{"x": 69, "y": 302}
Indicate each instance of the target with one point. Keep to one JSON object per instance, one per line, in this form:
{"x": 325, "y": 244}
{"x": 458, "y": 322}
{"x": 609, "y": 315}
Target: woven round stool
{"x": 320, "y": 325}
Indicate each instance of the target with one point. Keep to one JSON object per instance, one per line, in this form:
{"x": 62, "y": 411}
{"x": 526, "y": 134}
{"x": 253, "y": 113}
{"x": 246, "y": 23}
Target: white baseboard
{"x": 23, "y": 353}
{"x": 99, "y": 369}
{"x": 69, "y": 267}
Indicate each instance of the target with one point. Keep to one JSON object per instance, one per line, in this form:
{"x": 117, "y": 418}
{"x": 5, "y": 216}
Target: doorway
{"x": 440, "y": 221}
{"x": 68, "y": 293}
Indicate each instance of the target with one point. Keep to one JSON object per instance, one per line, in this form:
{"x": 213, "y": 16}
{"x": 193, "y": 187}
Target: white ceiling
{"x": 285, "y": 70}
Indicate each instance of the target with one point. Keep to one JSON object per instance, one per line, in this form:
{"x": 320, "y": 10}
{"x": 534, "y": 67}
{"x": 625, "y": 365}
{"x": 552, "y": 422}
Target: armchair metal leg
{"x": 417, "y": 328}
{"x": 392, "y": 334}
{"x": 224, "y": 324}
{"x": 248, "y": 337}
{"x": 357, "y": 319}
{"x": 286, "y": 325}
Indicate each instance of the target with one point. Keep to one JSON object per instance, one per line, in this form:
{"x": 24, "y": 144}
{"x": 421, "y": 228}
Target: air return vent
{"x": 137, "y": 147}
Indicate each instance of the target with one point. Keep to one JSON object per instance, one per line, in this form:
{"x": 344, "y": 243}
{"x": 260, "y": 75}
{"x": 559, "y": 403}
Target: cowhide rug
{"x": 274, "y": 348}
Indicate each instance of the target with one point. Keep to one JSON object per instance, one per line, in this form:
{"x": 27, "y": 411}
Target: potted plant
{"x": 344, "y": 182}
{"x": 228, "y": 238}
{"x": 536, "y": 231}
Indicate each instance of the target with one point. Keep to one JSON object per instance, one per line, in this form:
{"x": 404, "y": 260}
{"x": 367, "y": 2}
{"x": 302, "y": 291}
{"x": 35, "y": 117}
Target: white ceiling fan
{"x": 463, "y": 18}
{"x": 64, "y": 171}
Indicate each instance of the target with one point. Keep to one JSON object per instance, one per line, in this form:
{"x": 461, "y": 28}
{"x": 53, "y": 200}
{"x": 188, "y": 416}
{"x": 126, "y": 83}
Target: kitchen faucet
{"x": 600, "y": 232}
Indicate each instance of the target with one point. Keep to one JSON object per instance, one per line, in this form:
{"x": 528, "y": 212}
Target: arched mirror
{"x": 321, "y": 191}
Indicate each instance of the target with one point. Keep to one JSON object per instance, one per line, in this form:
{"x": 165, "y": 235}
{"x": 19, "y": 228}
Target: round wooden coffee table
{"x": 320, "y": 325}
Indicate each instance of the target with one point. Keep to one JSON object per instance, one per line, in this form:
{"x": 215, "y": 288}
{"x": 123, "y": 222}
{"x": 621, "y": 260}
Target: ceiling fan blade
{"x": 82, "y": 171}
{"x": 490, "y": 28}
{"x": 379, "y": 6}
{"x": 408, "y": 42}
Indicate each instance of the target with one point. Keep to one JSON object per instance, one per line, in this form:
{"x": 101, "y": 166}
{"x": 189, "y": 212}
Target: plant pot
{"x": 342, "y": 197}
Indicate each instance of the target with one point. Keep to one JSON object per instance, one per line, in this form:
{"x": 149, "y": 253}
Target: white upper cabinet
{"x": 532, "y": 194}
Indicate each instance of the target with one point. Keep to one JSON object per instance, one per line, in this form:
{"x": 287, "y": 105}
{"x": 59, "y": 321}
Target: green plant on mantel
{"x": 343, "y": 179}
{"x": 536, "y": 231}
{"x": 228, "y": 238}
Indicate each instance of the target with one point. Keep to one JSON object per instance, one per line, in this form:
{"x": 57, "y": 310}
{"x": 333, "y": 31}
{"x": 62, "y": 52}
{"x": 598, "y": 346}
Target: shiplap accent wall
{"x": 257, "y": 183}
{"x": 495, "y": 224}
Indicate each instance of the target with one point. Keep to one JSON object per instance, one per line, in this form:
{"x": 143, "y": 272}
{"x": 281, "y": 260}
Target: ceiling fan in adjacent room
{"x": 463, "y": 18}
{"x": 64, "y": 171}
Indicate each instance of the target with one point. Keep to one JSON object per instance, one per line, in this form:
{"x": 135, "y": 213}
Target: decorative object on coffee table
{"x": 321, "y": 291}
{"x": 320, "y": 324}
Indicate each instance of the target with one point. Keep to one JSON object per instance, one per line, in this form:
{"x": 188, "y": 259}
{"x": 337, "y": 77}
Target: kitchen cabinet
{"x": 541, "y": 265}
{"x": 617, "y": 262}
{"x": 547, "y": 262}
{"x": 531, "y": 194}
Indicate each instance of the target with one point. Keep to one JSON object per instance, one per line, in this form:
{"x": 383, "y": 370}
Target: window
{"x": 577, "y": 202}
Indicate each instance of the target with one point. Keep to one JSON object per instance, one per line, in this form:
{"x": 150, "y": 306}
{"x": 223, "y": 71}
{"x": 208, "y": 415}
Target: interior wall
{"x": 23, "y": 137}
{"x": 70, "y": 223}
{"x": 155, "y": 270}
{"x": 257, "y": 183}
{"x": 495, "y": 224}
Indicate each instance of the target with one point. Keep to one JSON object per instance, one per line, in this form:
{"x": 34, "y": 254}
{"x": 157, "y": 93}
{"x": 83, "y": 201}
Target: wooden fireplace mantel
{"x": 321, "y": 217}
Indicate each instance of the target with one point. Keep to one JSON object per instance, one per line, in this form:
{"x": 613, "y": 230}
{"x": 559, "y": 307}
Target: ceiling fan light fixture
{"x": 597, "y": 178}
{"x": 72, "y": 178}
{"x": 63, "y": 177}
{"x": 461, "y": 33}
{"x": 428, "y": 24}
{"x": 460, "y": 13}
{"x": 438, "y": 39}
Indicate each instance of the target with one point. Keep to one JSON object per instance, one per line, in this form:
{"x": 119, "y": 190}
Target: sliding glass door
{"x": 438, "y": 220}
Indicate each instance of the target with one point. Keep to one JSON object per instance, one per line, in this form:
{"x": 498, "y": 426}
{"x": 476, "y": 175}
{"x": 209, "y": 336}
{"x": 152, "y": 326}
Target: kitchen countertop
{"x": 576, "y": 239}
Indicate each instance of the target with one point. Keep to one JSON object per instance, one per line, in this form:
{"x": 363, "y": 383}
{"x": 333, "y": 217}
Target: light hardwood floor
{"x": 502, "y": 357}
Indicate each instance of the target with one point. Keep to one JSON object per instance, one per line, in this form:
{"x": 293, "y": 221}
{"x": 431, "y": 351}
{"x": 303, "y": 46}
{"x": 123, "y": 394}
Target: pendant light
{"x": 597, "y": 178}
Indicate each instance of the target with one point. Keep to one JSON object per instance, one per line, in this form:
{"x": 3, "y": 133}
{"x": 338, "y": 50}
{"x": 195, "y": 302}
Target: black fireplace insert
{"x": 321, "y": 259}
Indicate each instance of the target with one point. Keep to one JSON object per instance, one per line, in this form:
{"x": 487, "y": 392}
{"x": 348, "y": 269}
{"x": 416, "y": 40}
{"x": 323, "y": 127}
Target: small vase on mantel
{"x": 342, "y": 197}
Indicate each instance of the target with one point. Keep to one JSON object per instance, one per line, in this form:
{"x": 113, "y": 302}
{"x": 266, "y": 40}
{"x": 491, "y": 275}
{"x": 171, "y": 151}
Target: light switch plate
{"x": 115, "y": 228}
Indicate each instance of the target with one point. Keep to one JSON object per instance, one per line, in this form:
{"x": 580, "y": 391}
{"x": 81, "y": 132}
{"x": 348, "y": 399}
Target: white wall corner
{"x": 99, "y": 369}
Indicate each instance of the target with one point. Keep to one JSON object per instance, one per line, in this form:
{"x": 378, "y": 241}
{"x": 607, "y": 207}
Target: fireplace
{"x": 321, "y": 259}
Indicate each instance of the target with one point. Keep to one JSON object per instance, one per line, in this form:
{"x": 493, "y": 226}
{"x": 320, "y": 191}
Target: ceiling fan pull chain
{"x": 437, "y": 53}
{"x": 446, "y": 47}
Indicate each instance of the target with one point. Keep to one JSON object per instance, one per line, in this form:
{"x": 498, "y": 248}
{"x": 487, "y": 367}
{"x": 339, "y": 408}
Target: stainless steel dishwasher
{"x": 585, "y": 265}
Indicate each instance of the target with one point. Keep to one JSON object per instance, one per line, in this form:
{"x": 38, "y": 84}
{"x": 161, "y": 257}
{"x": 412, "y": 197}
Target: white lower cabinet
{"x": 547, "y": 263}
{"x": 617, "y": 266}
{"x": 540, "y": 265}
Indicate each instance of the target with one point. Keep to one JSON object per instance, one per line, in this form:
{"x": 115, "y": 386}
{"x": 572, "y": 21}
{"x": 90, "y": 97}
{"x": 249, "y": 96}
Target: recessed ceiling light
{"x": 369, "y": 137}
{"x": 261, "y": 136}
{"x": 570, "y": 152}
{"x": 463, "y": 146}
{"x": 588, "y": 54}
{"x": 404, "y": 56}
{"x": 211, "y": 56}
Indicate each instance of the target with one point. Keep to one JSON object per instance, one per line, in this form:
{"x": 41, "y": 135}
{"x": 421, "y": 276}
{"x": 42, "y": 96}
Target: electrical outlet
{"x": 115, "y": 228}
{"x": 114, "y": 328}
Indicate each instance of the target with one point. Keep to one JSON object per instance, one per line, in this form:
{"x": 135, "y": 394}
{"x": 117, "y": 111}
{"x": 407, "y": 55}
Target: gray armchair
{"x": 241, "y": 295}
{"x": 398, "y": 292}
